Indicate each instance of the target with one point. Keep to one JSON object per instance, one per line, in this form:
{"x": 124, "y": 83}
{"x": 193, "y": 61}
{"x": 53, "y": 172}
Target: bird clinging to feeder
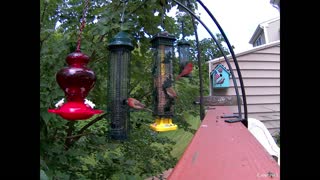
{"x": 171, "y": 92}
{"x": 187, "y": 70}
{"x": 135, "y": 104}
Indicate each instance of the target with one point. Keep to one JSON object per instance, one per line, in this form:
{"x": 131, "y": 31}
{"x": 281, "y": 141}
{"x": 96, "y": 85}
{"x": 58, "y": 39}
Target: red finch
{"x": 135, "y": 104}
{"x": 187, "y": 70}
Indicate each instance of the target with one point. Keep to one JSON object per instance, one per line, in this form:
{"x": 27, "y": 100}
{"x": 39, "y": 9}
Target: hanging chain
{"x": 162, "y": 16}
{"x": 83, "y": 23}
{"x": 163, "y": 3}
{"x": 182, "y": 29}
{"x": 123, "y": 9}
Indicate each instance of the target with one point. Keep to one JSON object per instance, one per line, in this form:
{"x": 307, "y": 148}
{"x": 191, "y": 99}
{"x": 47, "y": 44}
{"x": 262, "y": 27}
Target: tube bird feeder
{"x": 163, "y": 109}
{"x": 120, "y": 48}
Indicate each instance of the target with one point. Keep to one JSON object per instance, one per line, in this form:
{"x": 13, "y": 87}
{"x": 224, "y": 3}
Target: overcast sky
{"x": 238, "y": 19}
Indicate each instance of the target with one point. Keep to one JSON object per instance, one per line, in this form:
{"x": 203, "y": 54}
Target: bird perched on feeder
{"x": 135, "y": 104}
{"x": 187, "y": 70}
{"x": 171, "y": 92}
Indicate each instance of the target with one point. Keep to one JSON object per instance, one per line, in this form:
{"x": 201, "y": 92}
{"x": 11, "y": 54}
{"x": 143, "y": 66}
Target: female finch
{"x": 171, "y": 92}
{"x": 135, "y": 104}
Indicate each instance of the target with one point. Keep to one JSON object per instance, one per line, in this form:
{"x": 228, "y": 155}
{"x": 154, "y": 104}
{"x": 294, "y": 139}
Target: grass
{"x": 181, "y": 137}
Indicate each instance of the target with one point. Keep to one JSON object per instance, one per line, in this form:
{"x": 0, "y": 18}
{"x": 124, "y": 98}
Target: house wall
{"x": 260, "y": 72}
{"x": 269, "y": 32}
{"x": 274, "y": 31}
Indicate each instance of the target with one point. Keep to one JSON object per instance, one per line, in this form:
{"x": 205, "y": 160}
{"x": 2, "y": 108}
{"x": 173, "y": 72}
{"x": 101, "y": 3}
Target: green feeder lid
{"x": 183, "y": 42}
{"x": 121, "y": 39}
{"x": 163, "y": 38}
{"x": 164, "y": 34}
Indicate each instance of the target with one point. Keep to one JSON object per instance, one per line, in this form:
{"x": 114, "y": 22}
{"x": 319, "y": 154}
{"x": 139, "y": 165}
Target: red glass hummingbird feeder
{"x": 76, "y": 81}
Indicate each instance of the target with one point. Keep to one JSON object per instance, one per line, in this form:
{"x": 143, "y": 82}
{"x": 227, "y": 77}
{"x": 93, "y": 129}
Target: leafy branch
{"x": 43, "y": 13}
{"x": 69, "y": 130}
{"x": 138, "y": 7}
{"x": 70, "y": 140}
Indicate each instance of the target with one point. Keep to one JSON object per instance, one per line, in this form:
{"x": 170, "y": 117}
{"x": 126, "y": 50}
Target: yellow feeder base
{"x": 163, "y": 124}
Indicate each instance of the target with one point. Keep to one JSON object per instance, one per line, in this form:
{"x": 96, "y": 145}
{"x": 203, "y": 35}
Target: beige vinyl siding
{"x": 260, "y": 69}
{"x": 250, "y": 91}
{"x": 260, "y": 108}
{"x": 258, "y": 82}
{"x": 257, "y": 74}
{"x": 256, "y": 65}
{"x": 258, "y": 100}
{"x": 259, "y": 57}
{"x": 270, "y": 50}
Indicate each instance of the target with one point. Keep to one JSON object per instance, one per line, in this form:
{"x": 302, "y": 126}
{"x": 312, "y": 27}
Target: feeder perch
{"x": 163, "y": 124}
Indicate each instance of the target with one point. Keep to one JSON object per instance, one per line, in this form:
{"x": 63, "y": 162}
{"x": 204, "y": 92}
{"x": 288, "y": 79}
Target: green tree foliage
{"x": 82, "y": 149}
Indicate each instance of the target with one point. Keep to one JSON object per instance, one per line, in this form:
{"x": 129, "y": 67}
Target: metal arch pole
{"x": 200, "y": 71}
{"x": 200, "y": 68}
{"x": 224, "y": 55}
{"x": 245, "y": 122}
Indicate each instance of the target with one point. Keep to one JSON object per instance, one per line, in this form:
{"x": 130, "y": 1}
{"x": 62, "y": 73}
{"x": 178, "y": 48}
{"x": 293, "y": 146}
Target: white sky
{"x": 237, "y": 18}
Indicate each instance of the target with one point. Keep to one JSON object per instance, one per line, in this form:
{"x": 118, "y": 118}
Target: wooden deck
{"x": 224, "y": 151}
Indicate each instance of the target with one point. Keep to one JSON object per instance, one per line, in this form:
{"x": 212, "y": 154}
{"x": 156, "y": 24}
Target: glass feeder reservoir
{"x": 76, "y": 81}
{"x": 163, "y": 109}
{"x": 184, "y": 55}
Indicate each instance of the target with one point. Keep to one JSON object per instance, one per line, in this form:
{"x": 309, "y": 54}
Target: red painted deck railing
{"x": 224, "y": 151}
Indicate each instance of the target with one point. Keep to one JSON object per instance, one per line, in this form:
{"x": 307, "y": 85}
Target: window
{"x": 258, "y": 41}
